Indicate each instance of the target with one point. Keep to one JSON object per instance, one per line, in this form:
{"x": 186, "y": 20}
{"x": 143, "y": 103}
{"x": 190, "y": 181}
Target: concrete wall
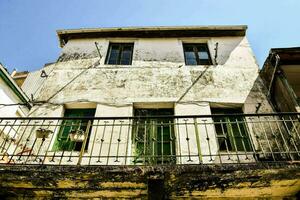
{"x": 264, "y": 181}
{"x": 157, "y": 73}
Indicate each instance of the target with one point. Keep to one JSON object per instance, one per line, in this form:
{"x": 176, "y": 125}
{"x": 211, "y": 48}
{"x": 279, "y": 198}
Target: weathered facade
{"x": 159, "y": 112}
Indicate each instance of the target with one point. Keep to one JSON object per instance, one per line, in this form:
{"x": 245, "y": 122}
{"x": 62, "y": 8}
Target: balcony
{"x": 159, "y": 140}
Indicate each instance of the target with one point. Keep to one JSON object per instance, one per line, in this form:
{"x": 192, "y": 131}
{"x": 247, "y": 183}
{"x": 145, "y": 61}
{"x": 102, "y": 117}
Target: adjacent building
{"x": 153, "y": 112}
{"x": 13, "y": 101}
{"x": 19, "y": 77}
{"x": 281, "y": 75}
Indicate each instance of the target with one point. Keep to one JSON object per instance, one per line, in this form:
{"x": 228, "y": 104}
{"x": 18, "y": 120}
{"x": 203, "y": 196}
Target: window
{"x": 72, "y": 133}
{"x": 154, "y": 137}
{"x": 196, "y": 54}
{"x": 232, "y": 134}
{"x": 119, "y": 54}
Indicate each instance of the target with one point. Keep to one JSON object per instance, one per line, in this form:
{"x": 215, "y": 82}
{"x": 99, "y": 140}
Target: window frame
{"x": 161, "y": 150}
{"x": 58, "y": 144}
{"x": 121, "y": 47}
{"x": 198, "y": 60}
{"x": 231, "y": 138}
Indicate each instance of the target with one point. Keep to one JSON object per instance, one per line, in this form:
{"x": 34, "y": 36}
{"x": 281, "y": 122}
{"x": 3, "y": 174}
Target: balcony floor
{"x": 259, "y": 180}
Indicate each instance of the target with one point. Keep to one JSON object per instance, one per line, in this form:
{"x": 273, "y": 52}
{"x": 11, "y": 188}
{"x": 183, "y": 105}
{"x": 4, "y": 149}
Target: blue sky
{"x": 27, "y": 27}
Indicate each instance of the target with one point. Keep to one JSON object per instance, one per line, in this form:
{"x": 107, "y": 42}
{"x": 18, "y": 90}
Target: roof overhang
{"x": 13, "y": 86}
{"x": 151, "y": 32}
{"x": 288, "y": 56}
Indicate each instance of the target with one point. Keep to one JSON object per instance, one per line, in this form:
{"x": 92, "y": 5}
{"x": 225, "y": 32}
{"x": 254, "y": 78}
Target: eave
{"x": 14, "y": 87}
{"x": 288, "y": 56}
{"x": 151, "y": 32}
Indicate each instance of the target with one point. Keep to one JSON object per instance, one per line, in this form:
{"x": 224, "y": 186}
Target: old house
{"x": 158, "y": 112}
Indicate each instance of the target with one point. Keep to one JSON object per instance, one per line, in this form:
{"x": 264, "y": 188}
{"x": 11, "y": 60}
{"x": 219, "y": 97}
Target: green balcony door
{"x": 231, "y": 131}
{"x": 63, "y": 141}
{"x": 154, "y": 137}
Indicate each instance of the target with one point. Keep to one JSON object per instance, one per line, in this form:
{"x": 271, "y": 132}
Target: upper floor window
{"x": 119, "y": 54}
{"x": 196, "y": 54}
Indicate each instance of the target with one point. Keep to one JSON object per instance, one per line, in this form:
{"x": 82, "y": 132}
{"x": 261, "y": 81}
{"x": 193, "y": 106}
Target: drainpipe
{"x": 273, "y": 75}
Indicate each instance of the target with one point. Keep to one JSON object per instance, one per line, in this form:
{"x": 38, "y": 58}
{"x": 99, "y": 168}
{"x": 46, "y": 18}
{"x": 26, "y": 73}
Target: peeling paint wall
{"x": 158, "y": 75}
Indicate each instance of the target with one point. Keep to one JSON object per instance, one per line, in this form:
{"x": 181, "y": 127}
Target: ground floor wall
{"x": 259, "y": 181}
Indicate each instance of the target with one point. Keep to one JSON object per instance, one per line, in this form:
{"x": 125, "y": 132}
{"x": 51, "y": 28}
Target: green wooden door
{"x": 154, "y": 137}
{"x": 231, "y": 131}
{"x": 63, "y": 141}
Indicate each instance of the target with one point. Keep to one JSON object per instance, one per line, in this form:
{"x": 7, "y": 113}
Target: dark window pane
{"x": 205, "y": 62}
{"x": 114, "y": 55}
{"x": 203, "y": 55}
{"x": 164, "y": 149}
{"x": 126, "y": 55}
{"x": 201, "y": 47}
{"x": 204, "y": 58}
{"x": 120, "y": 54}
{"x": 196, "y": 54}
{"x": 222, "y": 134}
{"x": 219, "y": 126}
{"x": 190, "y": 58}
{"x": 222, "y": 144}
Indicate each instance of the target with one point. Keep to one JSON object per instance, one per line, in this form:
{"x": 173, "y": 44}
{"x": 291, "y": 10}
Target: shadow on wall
{"x": 157, "y": 51}
{"x": 257, "y": 100}
{"x": 225, "y": 49}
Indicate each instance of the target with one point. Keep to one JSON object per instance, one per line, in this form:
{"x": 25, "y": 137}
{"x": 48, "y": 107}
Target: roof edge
{"x": 285, "y": 50}
{"x": 153, "y": 28}
{"x": 12, "y": 84}
{"x": 65, "y": 34}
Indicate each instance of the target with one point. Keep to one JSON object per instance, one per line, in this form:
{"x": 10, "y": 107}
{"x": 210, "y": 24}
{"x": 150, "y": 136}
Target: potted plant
{"x": 77, "y": 135}
{"x": 42, "y": 133}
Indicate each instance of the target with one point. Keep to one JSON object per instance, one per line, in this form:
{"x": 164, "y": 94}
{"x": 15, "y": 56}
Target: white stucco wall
{"x": 9, "y": 128}
{"x": 7, "y": 96}
{"x": 158, "y": 74}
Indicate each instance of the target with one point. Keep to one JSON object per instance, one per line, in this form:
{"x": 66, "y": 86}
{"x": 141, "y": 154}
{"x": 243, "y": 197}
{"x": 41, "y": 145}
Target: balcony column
{"x": 110, "y": 141}
{"x": 196, "y": 141}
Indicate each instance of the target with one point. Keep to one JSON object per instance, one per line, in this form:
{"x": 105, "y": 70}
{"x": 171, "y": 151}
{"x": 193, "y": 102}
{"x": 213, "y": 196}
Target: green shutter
{"x": 235, "y": 129}
{"x": 62, "y": 141}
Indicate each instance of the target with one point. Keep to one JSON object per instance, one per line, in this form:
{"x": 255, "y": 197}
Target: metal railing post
{"x": 198, "y": 140}
{"x": 84, "y": 142}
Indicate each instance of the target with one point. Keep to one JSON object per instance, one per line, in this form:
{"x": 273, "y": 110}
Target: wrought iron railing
{"x": 206, "y": 139}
